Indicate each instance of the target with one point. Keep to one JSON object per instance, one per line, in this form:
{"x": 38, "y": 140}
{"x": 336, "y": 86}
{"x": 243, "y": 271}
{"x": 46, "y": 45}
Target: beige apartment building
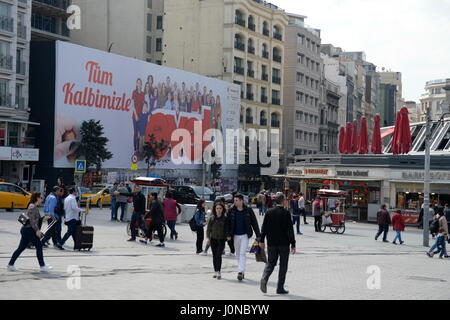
{"x": 130, "y": 28}
{"x": 394, "y": 78}
{"x": 303, "y": 97}
{"x": 240, "y": 41}
{"x": 435, "y": 98}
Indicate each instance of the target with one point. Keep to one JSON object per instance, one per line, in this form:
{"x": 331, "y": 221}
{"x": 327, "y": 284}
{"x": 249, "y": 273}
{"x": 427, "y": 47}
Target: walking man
{"x": 261, "y": 201}
{"x": 54, "y": 207}
{"x": 171, "y": 212}
{"x": 121, "y": 200}
{"x": 157, "y": 215}
{"x": 279, "y": 230}
{"x": 302, "y": 208}
{"x": 384, "y": 220}
{"x": 447, "y": 217}
{"x": 242, "y": 222}
{"x": 72, "y": 216}
{"x": 317, "y": 213}
{"x": 114, "y": 202}
{"x": 295, "y": 213}
{"x": 138, "y": 209}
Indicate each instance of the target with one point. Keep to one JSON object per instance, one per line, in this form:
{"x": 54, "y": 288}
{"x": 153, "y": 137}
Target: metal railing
{"x": 276, "y": 101}
{"x": 61, "y": 4}
{"x": 7, "y": 23}
{"x": 21, "y": 31}
{"x": 20, "y": 103}
{"x": 240, "y": 21}
{"x": 239, "y": 46}
{"x": 264, "y": 99}
{"x": 249, "y": 120}
{"x": 21, "y": 67}
{"x": 275, "y": 123}
{"x": 252, "y": 26}
{"x": 265, "y": 54}
{"x": 277, "y": 59}
{"x": 6, "y": 62}
{"x": 265, "y": 77}
{"x": 276, "y": 80}
{"x": 251, "y": 50}
{"x": 263, "y": 122}
{"x": 266, "y": 32}
{"x": 278, "y": 36}
{"x": 250, "y": 96}
{"x": 251, "y": 73}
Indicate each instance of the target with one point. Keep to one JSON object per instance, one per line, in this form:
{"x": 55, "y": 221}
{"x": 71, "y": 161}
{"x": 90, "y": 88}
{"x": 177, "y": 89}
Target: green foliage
{"x": 93, "y": 145}
{"x": 153, "y": 150}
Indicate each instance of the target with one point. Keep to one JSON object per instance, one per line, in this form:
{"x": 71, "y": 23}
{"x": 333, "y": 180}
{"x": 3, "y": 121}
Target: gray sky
{"x": 407, "y": 36}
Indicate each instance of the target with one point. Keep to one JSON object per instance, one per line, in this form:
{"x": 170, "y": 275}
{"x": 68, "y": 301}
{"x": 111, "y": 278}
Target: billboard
{"x": 133, "y": 99}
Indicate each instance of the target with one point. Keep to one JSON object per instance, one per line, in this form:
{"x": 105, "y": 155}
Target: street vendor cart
{"x": 333, "y": 203}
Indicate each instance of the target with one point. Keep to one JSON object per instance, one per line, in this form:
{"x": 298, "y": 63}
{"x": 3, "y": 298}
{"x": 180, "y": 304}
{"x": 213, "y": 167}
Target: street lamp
{"x": 426, "y": 197}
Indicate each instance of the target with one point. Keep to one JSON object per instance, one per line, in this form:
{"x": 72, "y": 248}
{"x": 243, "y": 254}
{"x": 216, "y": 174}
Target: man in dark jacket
{"x": 278, "y": 228}
{"x": 138, "y": 210}
{"x": 384, "y": 220}
{"x": 241, "y": 224}
{"x": 157, "y": 216}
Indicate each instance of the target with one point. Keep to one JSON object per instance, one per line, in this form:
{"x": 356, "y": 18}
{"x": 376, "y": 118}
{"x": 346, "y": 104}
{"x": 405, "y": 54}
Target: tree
{"x": 93, "y": 145}
{"x": 153, "y": 151}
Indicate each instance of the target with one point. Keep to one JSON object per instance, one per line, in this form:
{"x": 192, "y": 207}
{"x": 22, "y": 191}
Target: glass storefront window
{"x": 2, "y": 133}
{"x": 13, "y": 134}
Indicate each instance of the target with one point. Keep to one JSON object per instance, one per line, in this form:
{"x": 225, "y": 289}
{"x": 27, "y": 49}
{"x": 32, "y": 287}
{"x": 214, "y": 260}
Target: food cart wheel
{"x": 341, "y": 229}
{"x": 334, "y": 229}
{"x": 323, "y": 228}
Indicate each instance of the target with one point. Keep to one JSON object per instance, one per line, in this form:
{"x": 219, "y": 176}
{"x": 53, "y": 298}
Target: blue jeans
{"x": 398, "y": 236}
{"x": 28, "y": 235}
{"x": 296, "y": 220}
{"x": 262, "y": 210}
{"x": 54, "y": 233}
{"x": 171, "y": 225}
{"x": 71, "y": 230}
{"x": 123, "y": 209}
{"x": 113, "y": 209}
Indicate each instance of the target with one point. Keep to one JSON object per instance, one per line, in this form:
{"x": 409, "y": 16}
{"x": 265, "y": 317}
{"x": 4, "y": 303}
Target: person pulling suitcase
{"x": 72, "y": 217}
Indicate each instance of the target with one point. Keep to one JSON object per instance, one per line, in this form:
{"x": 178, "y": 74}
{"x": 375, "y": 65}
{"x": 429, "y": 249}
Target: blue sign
{"x": 80, "y": 166}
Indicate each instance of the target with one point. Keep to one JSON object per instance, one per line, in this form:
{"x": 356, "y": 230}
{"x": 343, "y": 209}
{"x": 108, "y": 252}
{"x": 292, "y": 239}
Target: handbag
{"x": 261, "y": 256}
{"x": 23, "y": 219}
{"x": 255, "y": 248}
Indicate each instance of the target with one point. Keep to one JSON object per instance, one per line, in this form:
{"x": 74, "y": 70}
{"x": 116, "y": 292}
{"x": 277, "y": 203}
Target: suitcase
{"x": 84, "y": 237}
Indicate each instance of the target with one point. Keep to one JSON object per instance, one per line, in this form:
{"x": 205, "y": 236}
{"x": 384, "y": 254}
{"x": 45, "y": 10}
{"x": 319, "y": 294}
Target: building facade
{"x": 49, "y": 20}
{"x": 139, "y": 37}
{"x": 413, "y": 111}
{"x": 387, "y": 104}
{"x": 435, "y": 98}
{"x": 239, "y": 41}
{"x": 17, "y": 142}
{"x": 302, "y": 89}
{"x": 329, "y": 123}
{"x": 394, "y": 78}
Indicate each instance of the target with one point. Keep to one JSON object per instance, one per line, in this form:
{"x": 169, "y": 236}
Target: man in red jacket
{"x": 384, "y": 220}
{"x": 398, "y": 225}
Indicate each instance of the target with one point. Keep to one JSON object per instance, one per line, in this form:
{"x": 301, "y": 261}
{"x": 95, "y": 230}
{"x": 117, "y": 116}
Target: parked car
{"x": 13, "y": 197}
{"x": 191, "y": 194}
{"x": 97, "y": 198}
{"x": 229, "y": 198}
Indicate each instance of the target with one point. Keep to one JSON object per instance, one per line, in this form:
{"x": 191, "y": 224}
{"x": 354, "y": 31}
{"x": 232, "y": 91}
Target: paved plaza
{"x": 327, "y": 266}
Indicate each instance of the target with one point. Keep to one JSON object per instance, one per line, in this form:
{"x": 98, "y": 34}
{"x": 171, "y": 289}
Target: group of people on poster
{"x": 168, "y": 95}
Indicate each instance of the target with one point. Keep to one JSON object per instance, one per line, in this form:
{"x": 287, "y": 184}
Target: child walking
{"x": 439, "y": 245}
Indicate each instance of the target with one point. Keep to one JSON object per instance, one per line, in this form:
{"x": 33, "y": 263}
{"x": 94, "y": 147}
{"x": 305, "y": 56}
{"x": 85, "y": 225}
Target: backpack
{"x": 193, "y": 224}
{"x": 434, "y": 226}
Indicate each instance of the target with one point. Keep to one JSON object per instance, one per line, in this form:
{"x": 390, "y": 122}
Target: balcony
{"x": 251, "y": 50}
{"x": 265, "y": 54}
{"x": 6, "y": 62}
{"x": 276, "y": 101}
{"x": 264, "y": 99}
{"x": 277, "y": 59}
{"x": 252, "y": 26}
{"x": 278, "y": 36}
{"x": 20, "y": 101}
{"x": 239, "y": 70}
{"x": 251, "y": 73}
{"x": 5, "y": 100}
{"x": 21, "y": 68}
{"x": 263, "y": 122}
{"x": 21, "y": 31}
{"x": 250, "y": 97}
{"x": 265, "y": 77}
{"x": 240, "y": 21}
{"x": 275, "y": 123}
{"x": 249, "y": 120}
{"x": 266, "y": 32}
{"x": 7, "y": 23}
{"x": 239, "y": 46}
{"x": 276, "y": 80}
{"x": 60, "y": 4}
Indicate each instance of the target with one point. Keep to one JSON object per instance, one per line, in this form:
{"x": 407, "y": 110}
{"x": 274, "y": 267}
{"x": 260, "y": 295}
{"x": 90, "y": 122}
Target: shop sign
{"x": 19, "y": 154}
{"x": 350, "y": 173}
{"x": 410, "y": 175}
{"x": 295, "y": 172}
{"x": 316, "y": 172}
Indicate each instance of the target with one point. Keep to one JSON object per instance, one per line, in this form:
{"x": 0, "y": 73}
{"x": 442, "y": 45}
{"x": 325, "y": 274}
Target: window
{"x": 2, "y": 133}
{"x": 305, "y": 136}
{"x": 19, "y": 93}
{"x": 306, "y": 118}
{"x": 149, "y": 44}
{"x": 149, "y": 22}
{"x": 298, "y": 115}
{"x": 13, "y": 134}
{"x": 298, "y": 134}
{"x": 158, "y": 44}
{"x": 300, "y": 77}
{"x": 307, "y": 62}
{"x": 307, "y": 43}
{"x": 159, "y": 22}
{"x": 158, "y": 62}
{"x": 150, "y": 4}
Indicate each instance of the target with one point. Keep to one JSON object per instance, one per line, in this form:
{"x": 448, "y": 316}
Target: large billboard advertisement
{"x": 133, "y": 99}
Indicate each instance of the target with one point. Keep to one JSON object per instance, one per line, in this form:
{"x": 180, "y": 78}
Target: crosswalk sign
{"x": 80, "y": 166}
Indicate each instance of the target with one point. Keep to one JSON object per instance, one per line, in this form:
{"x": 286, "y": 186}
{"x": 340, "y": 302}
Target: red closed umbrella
{"x": 396, "y": 134}
{"x": 363, "y": 138}
{"x": 376, "y": 139}
{"x": 355, "y": 137}
{"x": 404, "y": 140}
{"x": 348, "y": 138}
{"x": 342, "y": 141}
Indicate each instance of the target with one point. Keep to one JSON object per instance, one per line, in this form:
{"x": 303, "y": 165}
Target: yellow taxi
{"x": 13, "y": 197}
{"x": 97, "y": 198}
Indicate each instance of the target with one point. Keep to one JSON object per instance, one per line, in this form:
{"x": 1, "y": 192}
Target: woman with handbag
{"x": 216, "y": 235}
{"x": 31, "y": 233}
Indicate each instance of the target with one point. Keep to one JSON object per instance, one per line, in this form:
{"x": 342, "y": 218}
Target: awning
{"x": 387, "y": 132}
{"x": 19, "y": 121}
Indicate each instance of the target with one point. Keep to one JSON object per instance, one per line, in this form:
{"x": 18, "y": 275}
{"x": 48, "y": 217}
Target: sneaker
{"x": 219, "y": 276}
{"x": 393, "y": 242}
{"x": 46, "y": 268}
{"x": 143, "y": 241}
{"x": 240, "y": 276}
{"x": 385, "y": 241}
{"x": 263, "y": 286}
{"x": 215, "y": 275}
{"x": 429, "y": 255}
{"x": 176, "y": 236}
{"x": 131, "y": 240}
{"x": 231, "y": 254}
{"x": 376, "y": 238}
{"x": 160, "y": 245}
{"x": 59, "y": 247}
{"x": 11, "y": 268}
{"x": 300, "y": 233}
{"x": 205, "y": 253}
{"x": 45, "y": 246}
{"x": 402, "y": 242}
